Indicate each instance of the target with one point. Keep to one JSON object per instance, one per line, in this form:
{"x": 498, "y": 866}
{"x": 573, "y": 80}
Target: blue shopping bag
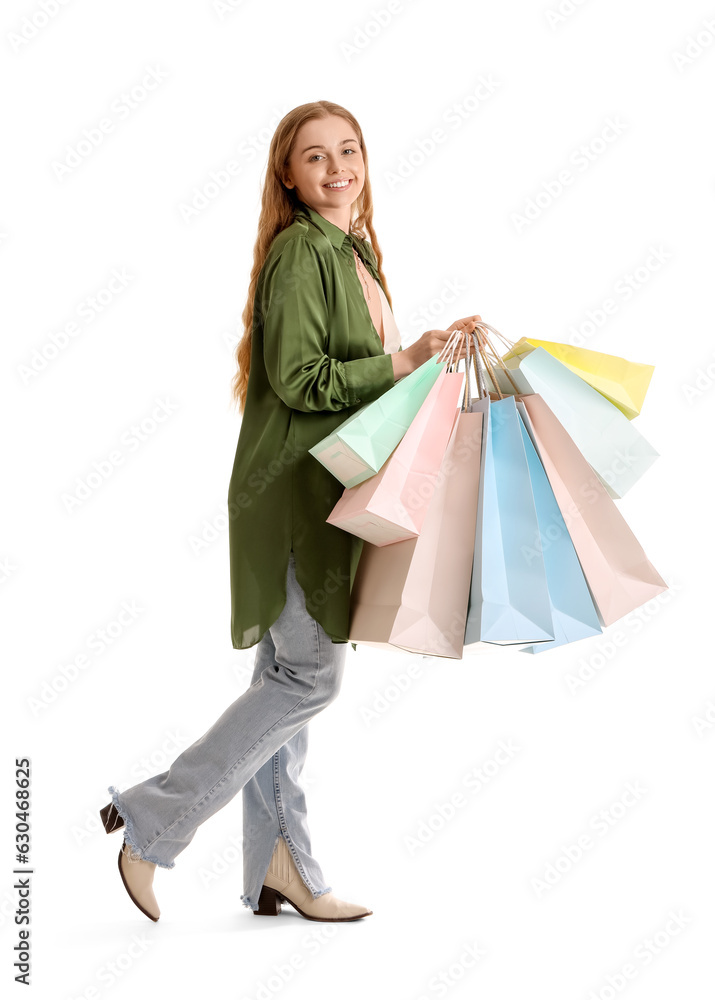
{"x": 509, "y": 597}
{"x": 572, "y": 608}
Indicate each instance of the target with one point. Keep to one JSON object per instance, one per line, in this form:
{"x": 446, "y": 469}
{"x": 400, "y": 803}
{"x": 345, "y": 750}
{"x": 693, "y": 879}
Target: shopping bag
{"x": 413, "y": 594}
{"x": 509, "y": 597}
{"x": 615, "y": 449}
{"x": 360, "y": 445}
{"x": 619, "y": 575}
{"x": 572, "y": 609}
{"x": 624, "y": 383}
{"x": 391, "y": 505}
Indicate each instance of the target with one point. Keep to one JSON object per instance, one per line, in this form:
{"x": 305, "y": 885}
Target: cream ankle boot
{"x": 283, "y": 883}
{"x": 138, "y": 876}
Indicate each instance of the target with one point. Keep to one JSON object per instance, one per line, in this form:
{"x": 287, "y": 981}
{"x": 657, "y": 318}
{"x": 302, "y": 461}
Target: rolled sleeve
{"x": 368, "y": 378}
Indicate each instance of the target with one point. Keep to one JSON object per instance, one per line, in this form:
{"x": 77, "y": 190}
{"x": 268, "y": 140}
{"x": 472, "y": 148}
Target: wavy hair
{"x": 278, "y": 205}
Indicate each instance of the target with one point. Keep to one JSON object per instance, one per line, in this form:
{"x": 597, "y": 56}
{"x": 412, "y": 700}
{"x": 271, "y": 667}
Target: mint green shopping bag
{"x": 361, "y": 445}
{"x": 615, "y": 449}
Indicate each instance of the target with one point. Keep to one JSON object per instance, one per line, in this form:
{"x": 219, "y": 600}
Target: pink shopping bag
{"x": 617, "y": 570}
{"x": 413, "y": 594}
{"x": 391, "y": 505}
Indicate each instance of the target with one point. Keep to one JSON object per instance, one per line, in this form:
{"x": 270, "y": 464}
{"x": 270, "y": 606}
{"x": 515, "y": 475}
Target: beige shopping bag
{"x": 413, "y": 594}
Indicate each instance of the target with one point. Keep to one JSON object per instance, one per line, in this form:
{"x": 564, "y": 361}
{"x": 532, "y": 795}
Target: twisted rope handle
{"x": 505, "y": 340}
{"x": 449, "y": 348}
{"x": 483, "y": 354}
{"x": 482, "y": 392}
{"x": 486, "y": 348}
{"x": 472, "y": 360}
{"x": 467, "y": 397}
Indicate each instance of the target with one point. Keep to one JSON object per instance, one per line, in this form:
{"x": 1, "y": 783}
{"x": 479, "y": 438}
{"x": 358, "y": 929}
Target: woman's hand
{"x": 429, "y": 344}
{"x": 468, "y": 324}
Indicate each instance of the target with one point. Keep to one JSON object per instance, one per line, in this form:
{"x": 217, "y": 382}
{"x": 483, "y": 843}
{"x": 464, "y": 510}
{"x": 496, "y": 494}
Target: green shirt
{"x": 316, "y": 358}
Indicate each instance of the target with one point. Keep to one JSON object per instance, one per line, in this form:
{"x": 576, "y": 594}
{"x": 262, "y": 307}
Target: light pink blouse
{"x": 380, "y": 313}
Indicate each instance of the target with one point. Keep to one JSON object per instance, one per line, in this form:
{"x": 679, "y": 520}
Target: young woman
{"x": 320, "y": 341}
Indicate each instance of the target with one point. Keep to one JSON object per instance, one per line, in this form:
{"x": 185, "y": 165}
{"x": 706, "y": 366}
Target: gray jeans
{"x": 259, "y": 745}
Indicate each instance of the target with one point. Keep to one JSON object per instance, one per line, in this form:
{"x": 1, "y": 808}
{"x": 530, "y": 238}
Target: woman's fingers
{"x": 468, "y": 323}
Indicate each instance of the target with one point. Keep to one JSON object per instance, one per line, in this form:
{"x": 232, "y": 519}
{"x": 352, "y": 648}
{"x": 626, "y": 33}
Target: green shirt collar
{"x": 335, "y": 234}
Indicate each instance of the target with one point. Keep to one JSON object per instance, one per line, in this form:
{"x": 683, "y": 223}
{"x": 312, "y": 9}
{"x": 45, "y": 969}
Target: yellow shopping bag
{"x": 623, "y": 383}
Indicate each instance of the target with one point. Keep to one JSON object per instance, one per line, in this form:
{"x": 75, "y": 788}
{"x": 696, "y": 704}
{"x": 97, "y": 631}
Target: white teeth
{"x": 339, "y": 184}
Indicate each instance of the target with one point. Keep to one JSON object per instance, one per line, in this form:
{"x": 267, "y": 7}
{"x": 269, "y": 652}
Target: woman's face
{"x": 326, "y": 151}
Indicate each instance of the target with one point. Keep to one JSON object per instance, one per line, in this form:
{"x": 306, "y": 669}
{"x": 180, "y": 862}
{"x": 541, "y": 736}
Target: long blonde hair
{"x": 278, "y": 205}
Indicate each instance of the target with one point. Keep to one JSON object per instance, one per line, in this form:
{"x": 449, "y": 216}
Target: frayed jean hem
{"x": 247, "y": 902}
{"x": 129, "y": 836}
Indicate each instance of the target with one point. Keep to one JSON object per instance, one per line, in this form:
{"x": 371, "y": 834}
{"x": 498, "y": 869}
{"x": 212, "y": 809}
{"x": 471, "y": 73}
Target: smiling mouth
{"x": 341, "y": 186}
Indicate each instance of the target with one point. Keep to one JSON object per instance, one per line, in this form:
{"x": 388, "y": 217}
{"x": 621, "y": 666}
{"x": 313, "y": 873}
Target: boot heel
{"x": 111, "y": 819}
{"x": 269, "y": 903}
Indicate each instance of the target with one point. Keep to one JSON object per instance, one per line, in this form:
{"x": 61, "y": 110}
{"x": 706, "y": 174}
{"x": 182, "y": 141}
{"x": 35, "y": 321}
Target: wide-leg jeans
{"x": 258, "y": 744}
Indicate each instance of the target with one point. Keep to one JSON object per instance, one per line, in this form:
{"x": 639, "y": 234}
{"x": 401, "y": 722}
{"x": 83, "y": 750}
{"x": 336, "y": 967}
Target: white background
{"x": 373, "y": 780}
